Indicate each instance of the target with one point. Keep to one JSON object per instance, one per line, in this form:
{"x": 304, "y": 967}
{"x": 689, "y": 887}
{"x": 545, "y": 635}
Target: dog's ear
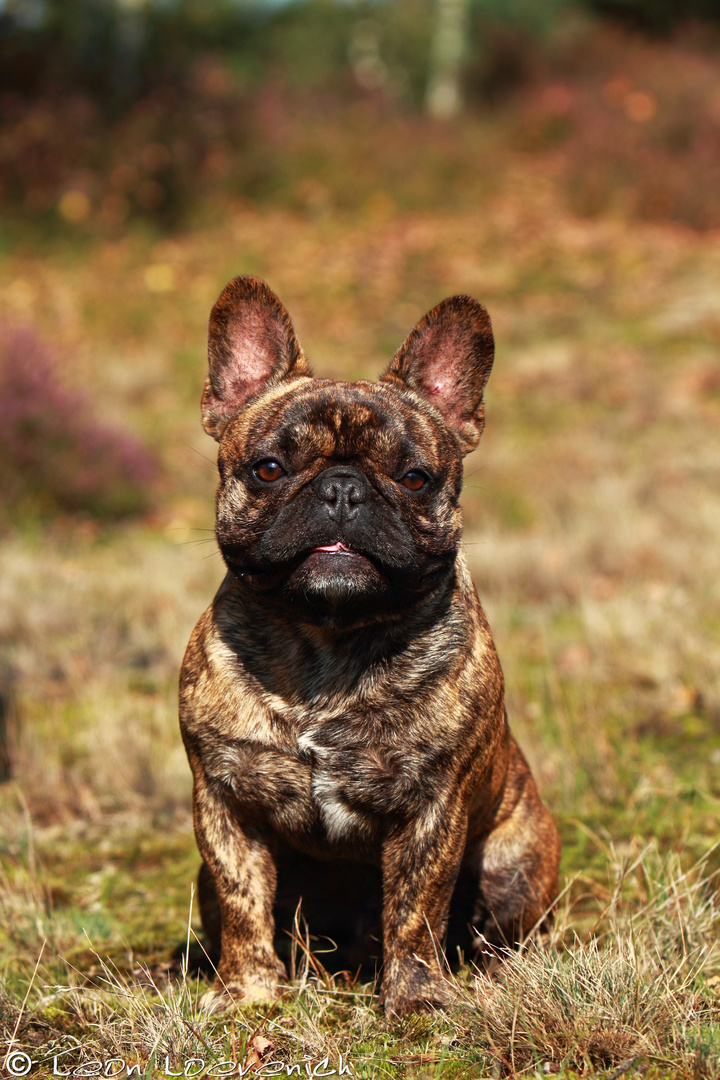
{"x": 447, "y": 358}
{"x": 251, "y": 345}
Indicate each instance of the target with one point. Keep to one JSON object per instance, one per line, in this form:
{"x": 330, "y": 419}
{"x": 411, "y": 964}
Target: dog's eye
{"x": 268, "y": 471}
{"x": 414, "y": 480}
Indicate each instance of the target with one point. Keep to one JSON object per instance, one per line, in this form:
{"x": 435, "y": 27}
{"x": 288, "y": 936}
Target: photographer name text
{"x": 18, "y": 1063}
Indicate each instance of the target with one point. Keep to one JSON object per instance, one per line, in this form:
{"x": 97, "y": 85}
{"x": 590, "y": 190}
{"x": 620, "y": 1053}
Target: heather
{"x": 56, "y": 454}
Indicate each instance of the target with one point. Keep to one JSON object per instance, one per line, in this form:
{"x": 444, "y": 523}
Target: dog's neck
{"x": 321, "y": 663}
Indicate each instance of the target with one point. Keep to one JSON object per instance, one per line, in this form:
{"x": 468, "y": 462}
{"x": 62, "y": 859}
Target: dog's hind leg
{"x": 515, "y": 864}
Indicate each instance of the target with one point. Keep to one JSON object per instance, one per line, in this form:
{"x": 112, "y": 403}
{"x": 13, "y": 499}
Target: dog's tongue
{"x": 335, "y": 547}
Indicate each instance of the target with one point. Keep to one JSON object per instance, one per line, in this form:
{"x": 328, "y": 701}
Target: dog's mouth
{"x": 335, "y": 549}
{"x": 323, "y": 557}
{"x": 336, "y": 557}
{"x": 338, "y": 567}
{"x": 334, "y": 581}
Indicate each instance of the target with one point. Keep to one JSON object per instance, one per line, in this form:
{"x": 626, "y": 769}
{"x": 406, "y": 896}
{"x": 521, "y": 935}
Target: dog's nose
{"x": 343, "y": 490}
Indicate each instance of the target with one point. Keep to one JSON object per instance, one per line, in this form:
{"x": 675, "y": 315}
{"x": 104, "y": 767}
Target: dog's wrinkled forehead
{"x": 341, "y": 421}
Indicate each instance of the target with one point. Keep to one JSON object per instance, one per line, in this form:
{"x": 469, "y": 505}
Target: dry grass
{"x": 633, "y": 992}
{"x": 638, "y": 994}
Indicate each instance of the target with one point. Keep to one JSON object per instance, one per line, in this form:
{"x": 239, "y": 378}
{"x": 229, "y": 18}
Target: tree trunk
{"x": 443, "y": 99}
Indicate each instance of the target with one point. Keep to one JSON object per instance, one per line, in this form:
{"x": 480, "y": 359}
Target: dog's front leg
{"x": 242, "y": 866}
{"x": 420, "y": 864}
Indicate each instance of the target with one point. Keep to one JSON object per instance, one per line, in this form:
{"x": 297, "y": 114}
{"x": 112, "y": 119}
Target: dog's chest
{"x": 354, "y": 786}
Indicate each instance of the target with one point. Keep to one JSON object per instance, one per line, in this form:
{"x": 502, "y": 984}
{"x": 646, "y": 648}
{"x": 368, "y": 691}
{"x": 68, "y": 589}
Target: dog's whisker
{"x": 194, "y": 450}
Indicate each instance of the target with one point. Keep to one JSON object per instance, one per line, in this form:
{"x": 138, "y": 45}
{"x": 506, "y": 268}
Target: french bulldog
{"x": 341, "y": 700}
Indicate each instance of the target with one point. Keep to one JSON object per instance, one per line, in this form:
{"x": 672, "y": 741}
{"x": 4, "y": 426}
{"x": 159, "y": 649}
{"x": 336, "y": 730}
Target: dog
{"x": 341, "y": 701}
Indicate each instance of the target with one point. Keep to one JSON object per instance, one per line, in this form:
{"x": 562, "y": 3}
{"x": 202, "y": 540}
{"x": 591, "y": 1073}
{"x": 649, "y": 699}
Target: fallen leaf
{"x": 260, "y": 1051}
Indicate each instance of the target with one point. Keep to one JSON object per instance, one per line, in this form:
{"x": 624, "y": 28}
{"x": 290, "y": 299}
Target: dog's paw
{"x": 419, "y": 995}
{"x": 224, "y": 997}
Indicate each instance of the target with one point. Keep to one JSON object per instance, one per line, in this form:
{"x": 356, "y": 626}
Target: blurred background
{"x": 559, "y": 160}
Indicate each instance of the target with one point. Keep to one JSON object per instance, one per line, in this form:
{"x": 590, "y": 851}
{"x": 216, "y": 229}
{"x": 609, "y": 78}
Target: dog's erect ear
{"x": 447, "y": 358}
{"x": 251, "y": 345}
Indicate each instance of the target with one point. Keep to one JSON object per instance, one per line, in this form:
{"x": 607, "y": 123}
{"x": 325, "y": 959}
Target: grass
{"x": 592, "y": 513}
{"x": 639, "y": 993}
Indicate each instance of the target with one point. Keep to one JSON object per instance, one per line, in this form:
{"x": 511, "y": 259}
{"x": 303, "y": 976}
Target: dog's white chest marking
{"x": 342, "y": 821}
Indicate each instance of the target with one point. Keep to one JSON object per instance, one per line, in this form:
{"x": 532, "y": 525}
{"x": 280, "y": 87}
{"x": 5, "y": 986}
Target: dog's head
{"x": 340, "y": 500}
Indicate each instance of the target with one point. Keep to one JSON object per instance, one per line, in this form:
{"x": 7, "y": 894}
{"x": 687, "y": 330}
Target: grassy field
{"x": 592, "y": 515}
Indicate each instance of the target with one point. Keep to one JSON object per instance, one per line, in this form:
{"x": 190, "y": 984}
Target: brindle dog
{"x": 341, "y": 700}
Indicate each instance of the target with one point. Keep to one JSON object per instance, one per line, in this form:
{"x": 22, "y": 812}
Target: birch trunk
{"x": 443, "y": 99}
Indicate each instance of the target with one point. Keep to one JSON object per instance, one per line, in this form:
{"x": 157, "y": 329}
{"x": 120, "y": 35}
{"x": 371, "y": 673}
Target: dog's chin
{"x": 337, "y": 586}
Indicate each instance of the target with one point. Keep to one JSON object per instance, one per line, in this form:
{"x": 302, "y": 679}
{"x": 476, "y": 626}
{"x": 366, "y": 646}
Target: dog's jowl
{"x": 342, "y": 703}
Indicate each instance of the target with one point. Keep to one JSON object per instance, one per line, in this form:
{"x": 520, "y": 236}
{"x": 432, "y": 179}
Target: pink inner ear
{"x": 254, "y": 349}
{"x": 443, "y": 356}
